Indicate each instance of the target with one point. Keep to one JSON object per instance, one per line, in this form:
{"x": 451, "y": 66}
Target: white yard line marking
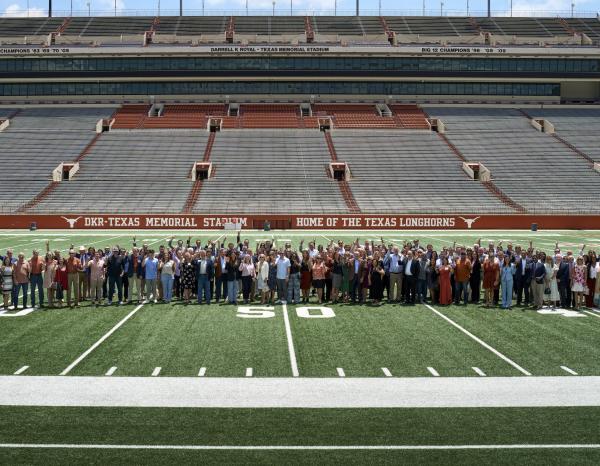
{"x": 100, "y": 341}
{"x": 570, "y": 371}
{"x": 481, "y": 342}
{"x": 340, "y": 372}
{"x": 202, "y": 372}
{"x": 156, "y": 371}
{"x": 104, "y": 446}
{"x": 290, "y": 342}
{"x": 592, "y": 314}
{"x": 323, "y": 236}
{"x": 111, "y": 371}
{"x": 249, "y": 372}
{"x": 478, "y": 371}
{"x": 21, "y": 370}
{"x": 386, "y": 371}
{"x": 433, "y": 372}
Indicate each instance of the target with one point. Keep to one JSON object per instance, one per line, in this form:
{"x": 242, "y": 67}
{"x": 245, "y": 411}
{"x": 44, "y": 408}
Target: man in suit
{"x": 115, "y": 270}
{"x": 538, "y": 283}
{"x": 133, "y": 270}
{"x": 221, "y": 275}
{"x": 563, "y": 280}
{"x": 205, "y": 270}
{"x": 393, "y": 262}
{"x": 411, "y": 274}
{"x": 523, "y": 275}
{"x": 354, "y": 276}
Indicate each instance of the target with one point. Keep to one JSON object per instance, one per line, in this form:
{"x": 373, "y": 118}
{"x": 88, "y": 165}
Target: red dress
{"x": 490, "y": 269}
{"x": 445, "y": 287}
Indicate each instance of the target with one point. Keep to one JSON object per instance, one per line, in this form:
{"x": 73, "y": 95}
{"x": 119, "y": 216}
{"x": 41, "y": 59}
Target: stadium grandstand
{"x": 299, "y": 239}
{"x": 332, "y": 99}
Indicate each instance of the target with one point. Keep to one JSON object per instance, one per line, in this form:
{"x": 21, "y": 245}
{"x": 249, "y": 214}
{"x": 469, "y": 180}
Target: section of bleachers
{"x": 578, "y": 126}
{"x": 37, "y": 140}
{"x": 130, "y": 116}
{"x": 534, "y": 169}
{"x": 17, "y": 27}
{"x": 409, "y": 116}
{"x": 132, "y": 171}
{"x": 192, "y": 25}
{"x": 409, "y": 171}
{"x": 269, "y": 116}
{"x": 589, "y": 26}
{"x": 269, "y": 25}
{"x": 270, "y": 171}
{"x": 107, "y": 26}
{"x": 338, "y": 25}
{"x": 354, "y": 116}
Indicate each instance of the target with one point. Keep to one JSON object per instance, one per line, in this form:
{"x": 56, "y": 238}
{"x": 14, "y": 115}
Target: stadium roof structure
{"x": 292, "y": 30}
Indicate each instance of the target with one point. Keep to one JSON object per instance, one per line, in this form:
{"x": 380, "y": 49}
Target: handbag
{"x": 547, "y": 291}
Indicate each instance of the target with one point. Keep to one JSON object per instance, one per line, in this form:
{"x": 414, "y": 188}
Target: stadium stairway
{"x": 345, "y": 189}
{"x": 194, "y": 194}
{"x": 44, "y": 193}
{"x": 489, "y": 185}
{"x": 573, "y": 149}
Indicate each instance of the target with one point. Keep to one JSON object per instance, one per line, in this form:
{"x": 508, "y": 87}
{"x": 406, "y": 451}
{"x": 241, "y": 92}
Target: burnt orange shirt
{"x": 36, "y": 265}
{"x": 73, "y": 264}
{"x": 462, "y": 272}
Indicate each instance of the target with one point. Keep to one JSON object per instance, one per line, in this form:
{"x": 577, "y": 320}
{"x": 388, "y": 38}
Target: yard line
{"x": 105, "y": 446}
{"x": 111, "y": 371}
{"x": 570, "y": 371}
{"x": 290, "y": 342}
{"x": 341, "y": 372}
{"x": 433, "y": 372}
{"x": 592, "y": 314}
{"x": 202, "y": 372}
{"x": 248, "y": 372}
{"x": 478, "y": 340}
{"x": 323, "y": 236}
{"x": 21, "y": 370}
{"x": 99, "y": 342}
{"x": 156, "y": 371}
{"x": 479, "y": 371}
{"x": 386, "y": 371}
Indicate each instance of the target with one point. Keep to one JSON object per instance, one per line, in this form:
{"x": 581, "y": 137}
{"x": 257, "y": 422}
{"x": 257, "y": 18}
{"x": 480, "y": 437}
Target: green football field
{"x": 329, "y": 341}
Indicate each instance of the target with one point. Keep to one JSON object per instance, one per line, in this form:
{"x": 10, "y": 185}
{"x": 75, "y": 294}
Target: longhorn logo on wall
{"x": 469, "y": 221}
{"x": 71, "y": 221}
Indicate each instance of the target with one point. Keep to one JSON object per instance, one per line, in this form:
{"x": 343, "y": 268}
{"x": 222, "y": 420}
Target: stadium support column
{"x": 489, "y": 8}
{"x": 49, "y": 9}
{"x": 180, "y": 7}
{"x": 357, "y": 7}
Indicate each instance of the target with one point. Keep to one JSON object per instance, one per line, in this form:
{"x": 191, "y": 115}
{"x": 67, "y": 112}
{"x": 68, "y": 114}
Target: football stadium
{"x": 283, "y": 237}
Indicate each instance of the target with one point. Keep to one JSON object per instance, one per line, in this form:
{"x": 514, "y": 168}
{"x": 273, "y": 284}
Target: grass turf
{"x": 150, "y": 426}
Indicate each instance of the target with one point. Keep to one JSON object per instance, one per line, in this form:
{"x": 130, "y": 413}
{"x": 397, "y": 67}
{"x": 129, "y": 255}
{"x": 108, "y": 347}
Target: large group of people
{"x": 336, "y": 272}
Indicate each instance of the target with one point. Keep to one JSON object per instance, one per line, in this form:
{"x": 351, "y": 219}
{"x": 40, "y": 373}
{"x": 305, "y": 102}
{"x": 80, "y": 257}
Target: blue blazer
{"x": 210, "y": 268}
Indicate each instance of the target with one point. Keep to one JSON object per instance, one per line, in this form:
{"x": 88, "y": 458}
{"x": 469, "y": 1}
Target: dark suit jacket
{"x": 415, "y": 267}
{"x": 563, "y": 273}
{"x": 210, "y": 268}
{"x": 539, "y": 271}
{"x": 519, "y": 275}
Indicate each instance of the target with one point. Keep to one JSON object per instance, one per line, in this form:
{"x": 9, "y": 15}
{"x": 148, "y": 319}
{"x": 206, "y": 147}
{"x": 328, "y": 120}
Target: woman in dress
{"x": 591, "y": 279}
{"x": 305, "y": 276}
{"x": 187, "y": 276}
{"x": 507, "y": 272}
{"x": 445, "y": 285}
{"x": 7, "y": 281}
{"x": 262, "y": 278}
{"x": 377, "y": 275}
{"x": 336, "y": 276}
{"x": 49, "y": 272}
{"x": 272, "y": 282}
{"x": 365, "y": 280}
{"x": 433, "y": 282}
{"x": 551, "y": 285}
{"x": 491, "y": 279}
{"x": 60, "y": 280}
{"x": 318, "y": 273}
{"x": 579, "y": 282}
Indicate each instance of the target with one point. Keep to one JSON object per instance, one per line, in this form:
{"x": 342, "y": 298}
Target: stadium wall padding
{"x": 338, "y": 222}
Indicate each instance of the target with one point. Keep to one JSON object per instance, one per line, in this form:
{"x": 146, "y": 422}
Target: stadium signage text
{"x": 297, "y": 50}
{"x": 308, "y": 221}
